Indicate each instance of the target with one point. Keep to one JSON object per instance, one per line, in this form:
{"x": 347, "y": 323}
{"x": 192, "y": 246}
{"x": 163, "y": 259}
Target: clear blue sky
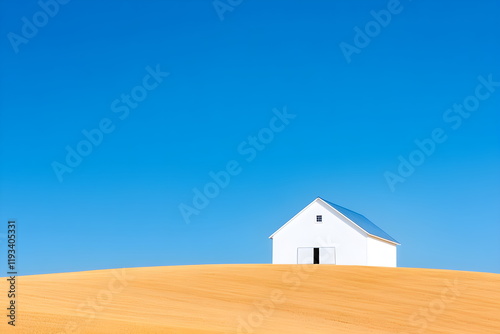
{"x": 119, "y": 207}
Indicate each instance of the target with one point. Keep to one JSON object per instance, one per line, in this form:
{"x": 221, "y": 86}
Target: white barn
{"x": 326, "y": 233}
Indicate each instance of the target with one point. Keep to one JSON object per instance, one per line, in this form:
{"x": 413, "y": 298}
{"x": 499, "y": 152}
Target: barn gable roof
{"x": 361, "y": 221}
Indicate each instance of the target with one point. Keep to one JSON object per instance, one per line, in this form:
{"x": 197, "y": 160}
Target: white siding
{"x": 381, "y": 253}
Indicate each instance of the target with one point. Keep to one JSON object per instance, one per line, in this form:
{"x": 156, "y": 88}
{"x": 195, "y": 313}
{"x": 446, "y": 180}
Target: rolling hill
{"x": 257, "y": 298}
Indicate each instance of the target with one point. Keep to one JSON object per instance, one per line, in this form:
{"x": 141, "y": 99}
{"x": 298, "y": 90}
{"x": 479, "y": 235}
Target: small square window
{"x": 319, "y": 219}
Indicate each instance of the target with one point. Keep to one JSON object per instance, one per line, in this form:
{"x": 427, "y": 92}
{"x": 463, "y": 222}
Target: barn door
{"x": 316, "y": 255}
{"x": 305, "y": 255}
{"x": 327, "y": 255}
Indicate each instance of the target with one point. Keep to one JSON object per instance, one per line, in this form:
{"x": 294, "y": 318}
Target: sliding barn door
{"x": 316, "y": 255}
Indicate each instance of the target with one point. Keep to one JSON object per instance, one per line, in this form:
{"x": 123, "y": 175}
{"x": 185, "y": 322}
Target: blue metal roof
{"x": 362, "y": 222}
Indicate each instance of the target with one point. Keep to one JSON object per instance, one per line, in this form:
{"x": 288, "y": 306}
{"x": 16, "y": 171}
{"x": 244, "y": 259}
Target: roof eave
{"x": 383, "y": 239}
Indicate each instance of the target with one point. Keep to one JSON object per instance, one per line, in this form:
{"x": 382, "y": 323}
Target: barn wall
{"x": 350, "y": 243}
{"x": 381, "y": 253}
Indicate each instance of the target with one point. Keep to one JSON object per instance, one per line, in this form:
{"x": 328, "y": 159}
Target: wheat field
{"x": 257, "y": 298}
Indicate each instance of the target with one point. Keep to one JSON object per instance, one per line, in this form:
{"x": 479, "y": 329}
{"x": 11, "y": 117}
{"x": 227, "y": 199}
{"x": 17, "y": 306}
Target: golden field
{"x": 257, "y": 298}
